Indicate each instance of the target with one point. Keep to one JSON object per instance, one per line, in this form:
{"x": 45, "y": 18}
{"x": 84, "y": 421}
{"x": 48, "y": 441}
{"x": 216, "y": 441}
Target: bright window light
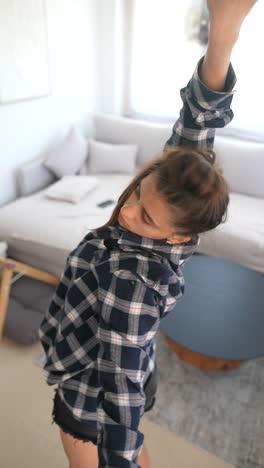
{"x": 163, "y": 60}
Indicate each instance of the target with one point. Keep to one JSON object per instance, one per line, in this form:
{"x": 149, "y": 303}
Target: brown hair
{"x": 191, "y": 182}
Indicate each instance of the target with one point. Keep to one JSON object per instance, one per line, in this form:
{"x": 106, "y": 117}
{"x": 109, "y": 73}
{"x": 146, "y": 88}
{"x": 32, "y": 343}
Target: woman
{"x": 99, "y": 332}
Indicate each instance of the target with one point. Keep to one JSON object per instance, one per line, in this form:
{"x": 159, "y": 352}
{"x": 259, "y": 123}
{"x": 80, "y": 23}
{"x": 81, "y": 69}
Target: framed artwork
{"x": 24, "y": 70}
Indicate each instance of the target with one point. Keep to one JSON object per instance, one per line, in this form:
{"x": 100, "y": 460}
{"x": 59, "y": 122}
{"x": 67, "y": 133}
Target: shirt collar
{"x": 129, "y": 241}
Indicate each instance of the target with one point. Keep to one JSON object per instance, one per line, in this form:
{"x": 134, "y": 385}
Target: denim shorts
{"x": 85, "y": 431}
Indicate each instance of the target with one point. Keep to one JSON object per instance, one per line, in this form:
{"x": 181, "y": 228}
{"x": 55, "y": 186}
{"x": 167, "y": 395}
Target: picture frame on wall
{"x": 24, "y": 67}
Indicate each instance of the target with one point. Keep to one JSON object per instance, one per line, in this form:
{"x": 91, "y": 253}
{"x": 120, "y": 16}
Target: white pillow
{"x": 106, "y": 157}
{"x": 72, "y": 188}
{"x": 68, "y": 158}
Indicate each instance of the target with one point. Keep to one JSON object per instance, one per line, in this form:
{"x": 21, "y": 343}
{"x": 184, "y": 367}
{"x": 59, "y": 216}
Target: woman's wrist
{"x": 215, "y": 66}
{"x": 223, "y": 39}
{"x": 218, "y": 54}
{"x": 217, "y": 58}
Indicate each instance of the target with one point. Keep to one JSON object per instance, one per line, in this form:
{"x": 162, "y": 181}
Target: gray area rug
{"x": 222, "y": 412}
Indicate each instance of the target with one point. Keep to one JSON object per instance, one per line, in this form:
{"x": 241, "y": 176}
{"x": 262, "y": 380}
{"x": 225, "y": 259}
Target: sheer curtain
{"x": 247, "y": 59}
{"x": 162, "y": 57}
{"x": 164, "y": 47}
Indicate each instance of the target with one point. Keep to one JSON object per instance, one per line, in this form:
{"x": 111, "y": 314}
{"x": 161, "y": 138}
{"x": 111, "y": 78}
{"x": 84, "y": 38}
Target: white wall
{"x": 28, "y": 128}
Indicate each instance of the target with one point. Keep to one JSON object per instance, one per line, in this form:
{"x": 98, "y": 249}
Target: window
{"x": 162, "y": 57}
{"x": 247, "y": 59}
{"x": 164, "y": 53}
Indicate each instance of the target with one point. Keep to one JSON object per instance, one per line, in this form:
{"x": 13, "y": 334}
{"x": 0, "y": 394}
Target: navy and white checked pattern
{"x": 203, "y": 111}
{"x": 98, "y": 333}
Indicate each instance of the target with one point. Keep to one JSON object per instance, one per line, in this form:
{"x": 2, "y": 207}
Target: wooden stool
{"x": 200, "y": 360}
{"x": 10, "y": 266}
{"x": 219, "y": 323}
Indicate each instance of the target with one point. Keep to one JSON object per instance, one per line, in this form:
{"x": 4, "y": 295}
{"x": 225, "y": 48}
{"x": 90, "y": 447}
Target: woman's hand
{"x": 226, "y": 18}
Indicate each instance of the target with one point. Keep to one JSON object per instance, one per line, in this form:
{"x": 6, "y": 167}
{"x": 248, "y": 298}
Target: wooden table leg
{"x": 30, "y": 271}
{"x": 6, "y": 279}
{"x": 202, "y": 361}
{"x": 10, "y": 266}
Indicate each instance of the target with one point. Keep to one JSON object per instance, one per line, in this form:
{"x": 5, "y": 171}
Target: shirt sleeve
{"x": 203, "y": 111}
{"x": 48, "y": 328}
{"x": 129, "y": 320}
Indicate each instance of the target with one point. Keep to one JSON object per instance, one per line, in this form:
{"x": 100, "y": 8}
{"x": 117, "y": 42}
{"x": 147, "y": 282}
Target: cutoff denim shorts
{"x": 86, "y": 432}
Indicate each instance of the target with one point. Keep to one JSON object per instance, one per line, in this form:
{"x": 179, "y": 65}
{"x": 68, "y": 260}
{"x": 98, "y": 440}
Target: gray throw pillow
{"x": 33, "y": 176}
{"x": 111, "y": 158}
{"x": 69, "y": 156}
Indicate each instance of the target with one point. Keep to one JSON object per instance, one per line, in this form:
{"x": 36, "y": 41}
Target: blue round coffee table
{"x": 219, "y": 322}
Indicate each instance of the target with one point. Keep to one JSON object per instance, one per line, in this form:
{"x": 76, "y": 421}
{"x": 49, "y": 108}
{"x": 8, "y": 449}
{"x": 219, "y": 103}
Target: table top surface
{"x": 221, "y": 313}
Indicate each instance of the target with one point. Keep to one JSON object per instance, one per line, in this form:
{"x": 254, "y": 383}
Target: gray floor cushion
{"x": 28, "y": 301}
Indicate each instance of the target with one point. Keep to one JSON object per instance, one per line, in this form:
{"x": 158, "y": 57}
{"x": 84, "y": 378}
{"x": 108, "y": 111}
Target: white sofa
{"x": 41, "y": 232}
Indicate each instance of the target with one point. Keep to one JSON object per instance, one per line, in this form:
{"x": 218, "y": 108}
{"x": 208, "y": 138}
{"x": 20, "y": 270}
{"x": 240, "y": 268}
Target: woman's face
{"x": 147, "y": 214}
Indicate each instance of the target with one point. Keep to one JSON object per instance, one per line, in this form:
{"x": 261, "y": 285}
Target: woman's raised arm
{"x": 226, "y": 18}
{"x": 208, "y": 96}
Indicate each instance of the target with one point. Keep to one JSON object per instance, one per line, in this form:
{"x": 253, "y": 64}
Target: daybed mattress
{"x": 41, "y": 232}
{"x": 241, "y": 237}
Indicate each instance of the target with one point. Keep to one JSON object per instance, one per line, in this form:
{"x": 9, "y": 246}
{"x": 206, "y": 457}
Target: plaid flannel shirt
{"x": 98, "y": 333}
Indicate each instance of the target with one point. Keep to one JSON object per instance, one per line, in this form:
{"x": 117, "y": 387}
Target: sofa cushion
{"x": 72, "y": 188}
{"x": 33, "y": 176}
{"x": 69, "y": 156}
{"x": 241, "y": 237}
{"x": 150, "y": 137}
{"x": 56, "y": 227}
{"x": 242, "y": 161}
{"x": 111, "y": 158}
{"x": 243, "y": 165}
